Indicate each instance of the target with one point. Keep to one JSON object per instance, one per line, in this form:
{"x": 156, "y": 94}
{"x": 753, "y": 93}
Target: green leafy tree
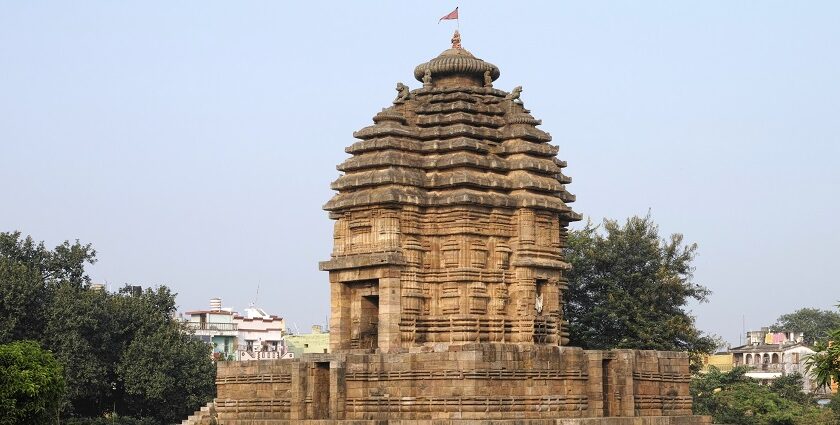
{"x": 31, "y": 384}
{"x": 790, "y": 387}
{"x": 29, "y": 273}
{"x": 628, "y": 288}
{"x": 834, "y": 405}
{"x": 813, "y": 322}
{"x": 733, "y": 398}
{"x": 167, "y": 375}
{"x": 824, "y": 365}
{"x": 79, "y": 332}
{"x": 108, "y": 343}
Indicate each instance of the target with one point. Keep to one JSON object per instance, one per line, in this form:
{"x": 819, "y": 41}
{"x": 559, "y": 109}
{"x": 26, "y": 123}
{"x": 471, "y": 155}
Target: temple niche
{"x": 447, "y": 282}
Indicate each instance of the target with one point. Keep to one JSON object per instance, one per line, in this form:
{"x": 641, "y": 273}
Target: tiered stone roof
{"x": 457, "y": 140}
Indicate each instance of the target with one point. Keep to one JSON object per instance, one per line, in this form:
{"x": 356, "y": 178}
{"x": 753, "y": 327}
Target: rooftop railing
{"x": 212, "y": 326}
{"x": 764, "y": 367}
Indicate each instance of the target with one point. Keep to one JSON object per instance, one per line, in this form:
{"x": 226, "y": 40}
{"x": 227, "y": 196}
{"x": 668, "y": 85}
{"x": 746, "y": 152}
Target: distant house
{"x": 768, "y": 356}
{"x": 254, "y": 335}
{"x": 260, "y": 335}
{"x": 317, "y": 341}
{"x": 215, "y": 326}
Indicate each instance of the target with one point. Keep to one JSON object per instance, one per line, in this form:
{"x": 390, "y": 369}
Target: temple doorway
{"x": 364, "y": 314}
{"x": 321, "y": 390}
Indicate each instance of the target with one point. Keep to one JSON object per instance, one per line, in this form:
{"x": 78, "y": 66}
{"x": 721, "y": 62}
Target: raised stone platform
{"x": 472, "y": 383}
{"x": 650, "y": 420}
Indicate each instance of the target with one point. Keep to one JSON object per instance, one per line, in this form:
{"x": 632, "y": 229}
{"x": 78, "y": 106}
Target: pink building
{"x": 259, "y": 335}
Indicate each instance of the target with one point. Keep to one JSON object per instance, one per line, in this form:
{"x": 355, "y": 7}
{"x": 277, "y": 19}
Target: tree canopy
{"x": 824, "y": 365}
{"x": 29, "y": 275}
{"x": 628, "y": 288}
{"x": 814, "y": 323}
{"x": 733, "y": 398}
{"x": 120, "y": 351}
{"x": 31, "y": 384}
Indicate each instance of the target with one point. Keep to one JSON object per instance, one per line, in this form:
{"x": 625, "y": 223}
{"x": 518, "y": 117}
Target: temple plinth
{"x": 447, "y": 282}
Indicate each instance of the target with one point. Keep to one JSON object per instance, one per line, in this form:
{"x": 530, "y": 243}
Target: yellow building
{"x": 722, "y": 361}
{"x": 315, "y": 342}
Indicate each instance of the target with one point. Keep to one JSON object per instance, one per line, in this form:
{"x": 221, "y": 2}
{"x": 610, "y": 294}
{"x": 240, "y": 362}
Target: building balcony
{"x": 213, "y": 328}
{"x": 764, "y": 367}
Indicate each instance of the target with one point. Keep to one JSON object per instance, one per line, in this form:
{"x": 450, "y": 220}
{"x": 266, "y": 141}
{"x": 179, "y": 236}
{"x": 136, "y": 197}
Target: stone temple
{"x": 447, "y": 282}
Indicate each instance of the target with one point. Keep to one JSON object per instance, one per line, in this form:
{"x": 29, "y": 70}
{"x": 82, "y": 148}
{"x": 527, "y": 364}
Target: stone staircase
{"x": 204, "y": 416}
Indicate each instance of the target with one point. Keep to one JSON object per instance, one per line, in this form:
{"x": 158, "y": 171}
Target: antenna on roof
{"x": 256, "y": 297}
{"x": 743, "y": 328}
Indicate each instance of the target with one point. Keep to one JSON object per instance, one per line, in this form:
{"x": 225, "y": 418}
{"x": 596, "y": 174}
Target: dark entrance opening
{"x": 361, "y": 314}
{"x": 321, "y": 390}
{"x": 369, "y": 322}
{"x": 606, "y": 387}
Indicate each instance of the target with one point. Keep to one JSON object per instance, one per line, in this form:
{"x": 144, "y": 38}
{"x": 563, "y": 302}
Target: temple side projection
{"x": 447, "y": 282}
{"x": 451, "y": 217}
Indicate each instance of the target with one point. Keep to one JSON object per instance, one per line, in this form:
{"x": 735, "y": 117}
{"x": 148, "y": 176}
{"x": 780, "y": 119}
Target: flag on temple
{"x": 451, "y": 15}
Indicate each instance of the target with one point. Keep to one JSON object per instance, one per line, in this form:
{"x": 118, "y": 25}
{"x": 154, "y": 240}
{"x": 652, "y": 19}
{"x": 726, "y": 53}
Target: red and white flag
{"x": 451, "y": 15}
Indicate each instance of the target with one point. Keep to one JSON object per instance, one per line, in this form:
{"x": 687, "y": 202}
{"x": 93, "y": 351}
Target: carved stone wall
{"x": 466, "y": 382}
{"x": 457, "y": 193}
{"x": 447, "y": 282}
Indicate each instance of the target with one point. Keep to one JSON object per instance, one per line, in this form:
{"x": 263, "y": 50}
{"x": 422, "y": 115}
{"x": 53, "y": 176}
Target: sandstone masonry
{"x": 447, "y": 282}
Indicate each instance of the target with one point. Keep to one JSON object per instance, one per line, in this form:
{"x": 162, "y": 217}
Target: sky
{"x": 193, "y": 142}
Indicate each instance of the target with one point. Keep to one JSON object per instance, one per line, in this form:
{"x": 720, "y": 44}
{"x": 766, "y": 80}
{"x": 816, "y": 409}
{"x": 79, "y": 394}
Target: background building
{"x": 767, "y": 356}
{"x": 259, "y": 335}
{"x": 251, "y": 336}
{"x": 215, "y": 326}
{"x": 317, "y": 341}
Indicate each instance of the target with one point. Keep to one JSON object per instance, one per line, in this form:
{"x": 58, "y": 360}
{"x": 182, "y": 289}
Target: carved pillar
{"x": 339, "y": 314}
{"x": 388, "y": 230}
{"x": 389, "y": 311}
{"x": 522, "y": 297}
{"x": 526, "y": 227}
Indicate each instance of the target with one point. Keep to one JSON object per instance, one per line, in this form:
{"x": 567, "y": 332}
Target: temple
{"x": 447, "y": 282}
{"x": 451, "y": 217}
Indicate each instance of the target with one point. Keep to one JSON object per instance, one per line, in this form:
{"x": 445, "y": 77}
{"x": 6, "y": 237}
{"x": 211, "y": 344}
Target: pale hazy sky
{"x": 193, "y": 142}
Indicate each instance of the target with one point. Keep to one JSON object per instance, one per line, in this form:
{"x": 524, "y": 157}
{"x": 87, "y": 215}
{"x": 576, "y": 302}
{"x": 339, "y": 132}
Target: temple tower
{"x": 450, "y": 218}
{"x": 447, "y": 282}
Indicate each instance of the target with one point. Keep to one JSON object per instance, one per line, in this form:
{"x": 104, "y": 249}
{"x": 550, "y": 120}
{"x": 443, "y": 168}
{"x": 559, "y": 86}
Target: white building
{"x": 770, "y": 355}
{"x": 260, "y": 335}
{"x": 252, "y": 336}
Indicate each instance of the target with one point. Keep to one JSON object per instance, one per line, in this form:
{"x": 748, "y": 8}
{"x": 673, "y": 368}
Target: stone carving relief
{"x": 403, "y": 93}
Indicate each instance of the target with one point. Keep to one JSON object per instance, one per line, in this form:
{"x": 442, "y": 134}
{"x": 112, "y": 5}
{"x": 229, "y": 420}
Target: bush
{"x": 733, "y": 398}
{"x": 31, "y": 384}
{"x": 115, "y": 420}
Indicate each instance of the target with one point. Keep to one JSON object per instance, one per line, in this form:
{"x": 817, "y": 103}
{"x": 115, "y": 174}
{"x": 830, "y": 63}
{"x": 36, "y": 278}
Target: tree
{"x": 128, "y": 355}
{"x": 733, "y": 398}
{"x": 628, "y": 289}
{"x": 79, "y": 332}
{"x": 790, "y": 387}
{"x": 31, "y": 384}
{"x": 824, "y": 365}
{"x": 167, "y": 375}
{"x": 107, "y": 343}
{"x": 814, "y": 323}
{"x": 29, "y": 273}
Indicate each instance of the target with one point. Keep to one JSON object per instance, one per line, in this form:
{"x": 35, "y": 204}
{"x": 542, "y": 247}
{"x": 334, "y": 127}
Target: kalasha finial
{"x": 456, "y": 40}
